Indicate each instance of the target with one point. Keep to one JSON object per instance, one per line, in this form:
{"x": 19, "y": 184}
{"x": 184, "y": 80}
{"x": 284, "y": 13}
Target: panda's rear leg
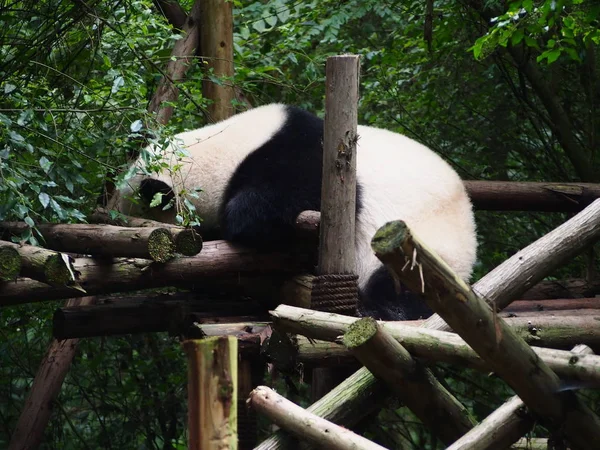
{"x": 382, "y": 299}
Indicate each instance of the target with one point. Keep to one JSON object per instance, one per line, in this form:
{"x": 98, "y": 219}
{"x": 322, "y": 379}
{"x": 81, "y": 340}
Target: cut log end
{"x": 10, "y": 263}
{"x": 160, "y": 245}
{"x": 360, "y": 332}
{"x": 188, "y": 242}
{"x": 390, "y": 236}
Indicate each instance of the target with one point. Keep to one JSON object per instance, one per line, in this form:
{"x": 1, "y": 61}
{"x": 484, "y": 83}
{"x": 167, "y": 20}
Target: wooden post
{"x": 212, "y": 393}
{"x": 216, "y": 46}
{"x": 338, "y": 194}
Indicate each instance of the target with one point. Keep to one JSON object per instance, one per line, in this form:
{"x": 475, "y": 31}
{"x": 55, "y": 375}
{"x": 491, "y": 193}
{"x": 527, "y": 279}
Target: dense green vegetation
{"x": 503, "y": 90}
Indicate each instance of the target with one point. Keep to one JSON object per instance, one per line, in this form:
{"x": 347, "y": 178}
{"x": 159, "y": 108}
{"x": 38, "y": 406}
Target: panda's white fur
{"x": 398, "y": 177}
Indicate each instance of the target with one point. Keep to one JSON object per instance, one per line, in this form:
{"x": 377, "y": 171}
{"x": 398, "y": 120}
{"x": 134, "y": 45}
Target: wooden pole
{"x": 216, "y": 46}
{"x": 45, "y": 388}
{"x": 212, "y": 393}
{"x": 338, "y": 194}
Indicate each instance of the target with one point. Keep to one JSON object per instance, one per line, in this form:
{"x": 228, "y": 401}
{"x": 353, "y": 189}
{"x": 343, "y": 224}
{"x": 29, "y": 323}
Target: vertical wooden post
{"x": 212, "y": 393}
{"x": 216, "y": 45}
{"x": 338, "y": 195}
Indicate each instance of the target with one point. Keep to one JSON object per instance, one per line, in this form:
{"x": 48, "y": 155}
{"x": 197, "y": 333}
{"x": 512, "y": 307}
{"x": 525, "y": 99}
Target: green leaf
{"x": 44, "y": 199}
{"x": 517, "y": 36}
{"x": 29, "y": 221}
{"x": 259, "y": 25}
{"x": 45, "y": 164}
{"x": 156, "y": 200}
{"x": 553, "y": 55}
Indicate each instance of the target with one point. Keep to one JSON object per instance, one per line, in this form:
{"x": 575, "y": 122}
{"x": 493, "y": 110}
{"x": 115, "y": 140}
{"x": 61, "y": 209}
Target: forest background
{"x": 502, "y": 90}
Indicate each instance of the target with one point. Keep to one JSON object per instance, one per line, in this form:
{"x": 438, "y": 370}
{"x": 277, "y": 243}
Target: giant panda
{"x": 259, "y": 169}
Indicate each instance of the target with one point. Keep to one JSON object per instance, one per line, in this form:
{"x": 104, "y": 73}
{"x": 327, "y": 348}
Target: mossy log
{"x": 346, "y": 404}
{"x": 10, "y": 263}
{"x": 506, "y": 425}
{"x": 472, "y": 318}
{"x": 218, "y": 258}
{"x": 432, "y": 345}
{"x": 46, "y": 266}
{"x": 306, "y": 425}
{"x": 188, "y": 241}
{"x": 102, "y": 240}
{"x": 212, "y": 392}
{"x": 414, "y": 384}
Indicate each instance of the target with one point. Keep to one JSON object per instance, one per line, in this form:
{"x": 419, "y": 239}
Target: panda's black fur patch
{"x": 382, "y": 299}
{"x": 275, "y": 183}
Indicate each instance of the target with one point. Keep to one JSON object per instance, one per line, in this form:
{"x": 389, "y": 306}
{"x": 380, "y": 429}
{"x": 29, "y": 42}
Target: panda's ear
{"x": 149, "y": 187}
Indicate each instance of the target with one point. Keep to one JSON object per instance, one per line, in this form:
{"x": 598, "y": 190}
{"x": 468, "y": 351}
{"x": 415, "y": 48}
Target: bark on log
{"x": 499, "y": 430}
{"x": 338, "y": 190}
{"x": 527, "y": 267}
{"x": 505, "y": 426}
{"x": 187, "y": 241}
{"x": 414, "y": 384}
{"x": 554, "y": 306}
{"x": 212, "y": 393}
{"x": 571, "y": 288}
{"x": 157, "y": 313}
{"x": 216, "y": 49}
{"x": 432, "y": 345}
{"x": 304, "y": 424}
{"x": 472, "y": 318}
{"x": 44, "y": 390}
{"x": 218, "y": 258}
{"x": 10, "y": 263}
{"x": 46, "y": 266}
{"x": 101, "y": 240}
{"x": 531, "y": 196}
{"x": 345, "y": 404}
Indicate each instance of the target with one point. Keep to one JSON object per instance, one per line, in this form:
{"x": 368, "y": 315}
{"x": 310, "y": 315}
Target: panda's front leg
{"x": 258, "y": 219}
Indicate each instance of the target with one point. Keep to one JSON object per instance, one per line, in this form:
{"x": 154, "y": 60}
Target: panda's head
{"x": 197, "y": 166}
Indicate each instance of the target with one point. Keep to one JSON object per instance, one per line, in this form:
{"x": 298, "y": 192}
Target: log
{"x": 414, "y": 384}
{"x": 101, "y": 240}
{"x": 499, "y": 430}
{"x": 527, "y": 267}
{"x": 48, "y": 380}
{"x": 218, "y": 258}
{"x": 571, "y": 288}
{"x": 212, "y": 393}
{"x": 10, "y": 263}
{"x": 338, "y": 189}
{"x": 46, "y": 266}
{"x": 554, "y": 305}
{"x": 305, "y": 425}
{"x": 216, "y": 49}
{"x": 344, "y": 404}
{"x": 431, "y": 345}
{"x": 188, "y": 241}
{"x": 504, "y": 426}
{"x": 531, "y": 196}
{"x": 499, "y": 284}
{"x": 175, "y": 314}
{"x": 473, "y": 319}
